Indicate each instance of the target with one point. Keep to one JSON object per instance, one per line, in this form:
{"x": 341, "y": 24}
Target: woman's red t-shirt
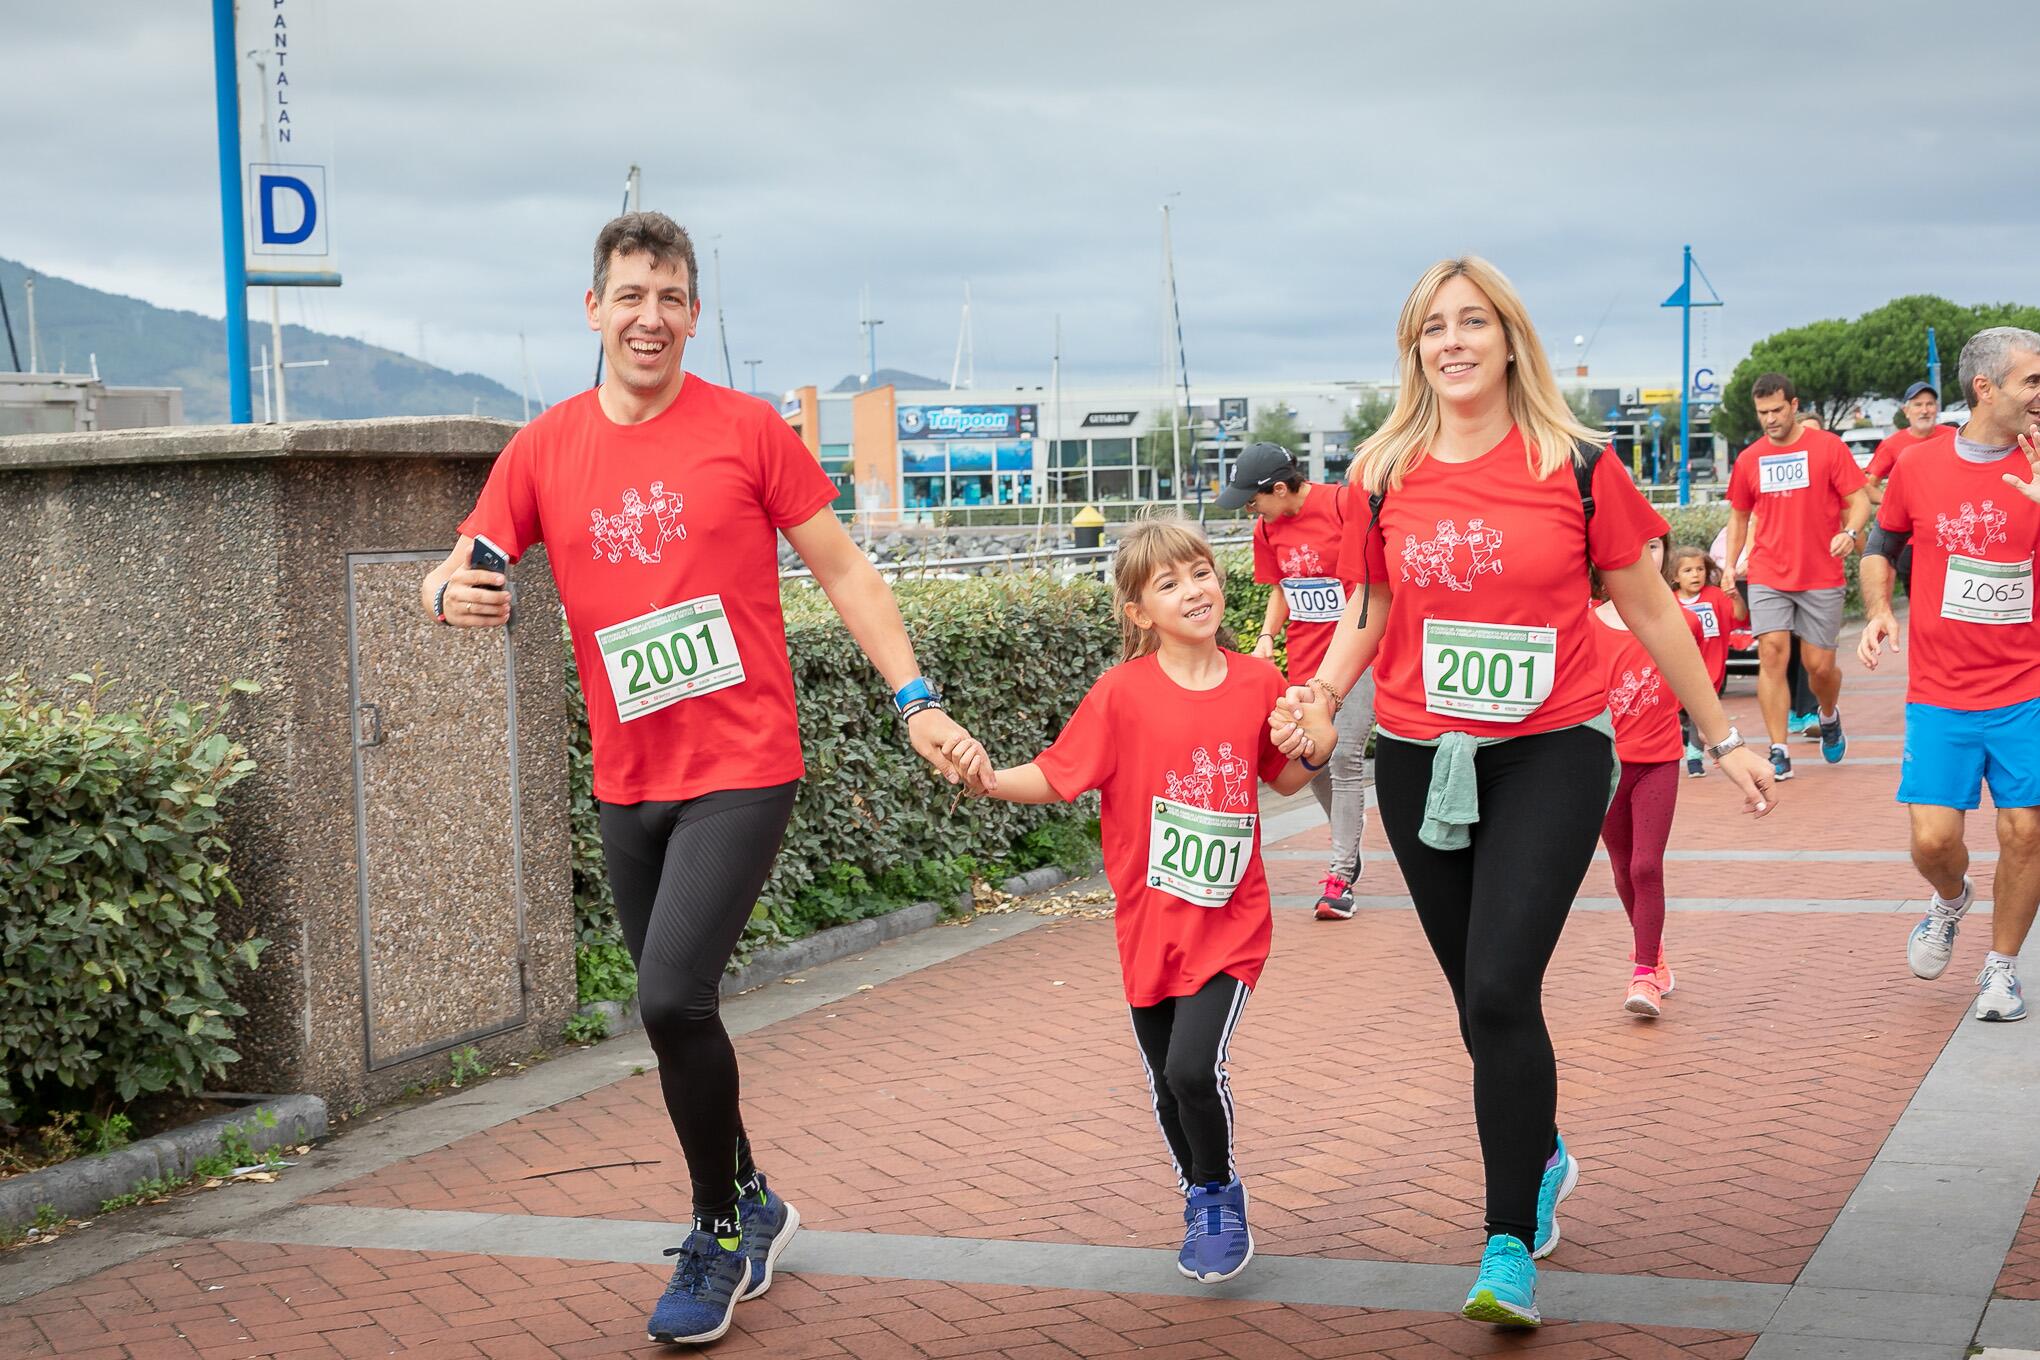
{"x": 1645, "y": 711}
{"x": 1142, "y": 739}
{"x": 682, "y": 510}
{"x": 1713, "y": 620}
{"x": 1491, "y": 564}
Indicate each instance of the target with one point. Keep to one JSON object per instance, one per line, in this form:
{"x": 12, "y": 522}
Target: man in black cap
{"x": 1296, "y": 550}
{"x": 1922, "y": 407}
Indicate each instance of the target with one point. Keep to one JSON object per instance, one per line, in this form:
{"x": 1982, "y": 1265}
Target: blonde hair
{"x": 1550, "y": 429}
{"x": 1155, "y": 541}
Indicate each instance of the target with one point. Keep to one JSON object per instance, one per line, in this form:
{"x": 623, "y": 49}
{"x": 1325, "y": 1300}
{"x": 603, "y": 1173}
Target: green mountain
{"x": 139, "y": 345}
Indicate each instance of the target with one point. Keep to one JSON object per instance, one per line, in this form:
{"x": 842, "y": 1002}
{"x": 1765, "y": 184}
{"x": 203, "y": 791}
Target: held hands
{"x": 1287, "y": 723}
{"x": 477, "y": 599}
{"x": 1880, "y": 629}
{"x": 1751, "y": 773}
{"x": 941, "y": 741}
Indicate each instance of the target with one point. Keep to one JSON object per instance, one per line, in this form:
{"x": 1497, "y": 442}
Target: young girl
{"x": 1182, "y": 844}
{"x": 1696, "y": 578}
{"x": 1639, "y": 820}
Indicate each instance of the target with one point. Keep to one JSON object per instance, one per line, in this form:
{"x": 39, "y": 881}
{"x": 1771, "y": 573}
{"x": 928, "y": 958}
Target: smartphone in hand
{"x": 486, "y": 556}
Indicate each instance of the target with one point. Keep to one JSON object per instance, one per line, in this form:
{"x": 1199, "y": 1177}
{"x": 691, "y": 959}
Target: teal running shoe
{"x": 1561, "y": 1174}
{"x": 1506, "y": 1291}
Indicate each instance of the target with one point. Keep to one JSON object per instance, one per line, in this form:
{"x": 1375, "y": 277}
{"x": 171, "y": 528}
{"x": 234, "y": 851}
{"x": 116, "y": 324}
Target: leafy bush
{"x": 114, "y": 975}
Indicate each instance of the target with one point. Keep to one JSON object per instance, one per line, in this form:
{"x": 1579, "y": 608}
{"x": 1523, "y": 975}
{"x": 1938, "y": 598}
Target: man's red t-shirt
{"x": 1143, "y": 740}
{"x": 1645, "y": 711}
{"x": 1713, "y": 618}
{"x": 1797, "y": 492}
{"x": 1299, "y": 555}
{"x": 1901, "y": 443}
{"x": 683, "y": 509}
{"x": 1986, "y": 655}
{"x": 1487, "y": 567}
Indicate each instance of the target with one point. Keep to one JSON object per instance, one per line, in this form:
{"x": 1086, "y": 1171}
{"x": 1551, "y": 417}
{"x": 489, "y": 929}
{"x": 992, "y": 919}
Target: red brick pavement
{"x": 228, "y": 1301}
{"x": 2021, "y": 1276}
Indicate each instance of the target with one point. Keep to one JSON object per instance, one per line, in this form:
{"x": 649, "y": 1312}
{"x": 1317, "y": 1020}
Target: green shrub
{"x": 602, "y": 967}
{"x": 114, "y": 975}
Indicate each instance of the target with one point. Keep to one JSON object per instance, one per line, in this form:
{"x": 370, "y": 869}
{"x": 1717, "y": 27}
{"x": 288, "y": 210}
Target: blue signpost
{"x": 1683, "y": 300}
{"x": 233, "y": 245}
{"x": 1934, "y": 369}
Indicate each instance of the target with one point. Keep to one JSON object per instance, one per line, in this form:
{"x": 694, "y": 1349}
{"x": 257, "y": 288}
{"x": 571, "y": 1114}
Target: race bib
{"x": 1495, "y": 671}
{"x": 1783, "y": 472}
{"x": 1987, "y": 592}
{"x": 680, "y": 652}
{"x": 1314, "y": 599}
{"x": 1196, "y": 854}
{"x": 1710, "y": 623}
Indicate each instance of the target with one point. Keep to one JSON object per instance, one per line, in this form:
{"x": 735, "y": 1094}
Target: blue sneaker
{"x": 1781, "y": 763}
{"x": 1506, "y": 1292}
{"x": 1561, "y": 1174}
{"x": 1805, "y": 726}
{"x": 768, "y": 1225}
{"x": 697, "y": 1304}
{"x": 1998, "y": 995}
{"x": 1832, "y": 743}
{"x": 1216, "y": 1242}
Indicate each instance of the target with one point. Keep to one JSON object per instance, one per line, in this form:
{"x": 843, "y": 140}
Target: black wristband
{"x": 914, "y": 706}
{"x": 439, "y": 601}
{"x": 1314, "y": 768}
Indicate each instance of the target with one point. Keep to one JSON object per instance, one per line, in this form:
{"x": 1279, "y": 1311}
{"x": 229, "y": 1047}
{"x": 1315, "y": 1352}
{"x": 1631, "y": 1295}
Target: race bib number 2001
{"x": 1314, "y": 599}
{"x": 1196, "y": 854}
{"x": 1987, "y": 592}
{"x": 680, "y": 652}
{"x": 1497, "y": 671}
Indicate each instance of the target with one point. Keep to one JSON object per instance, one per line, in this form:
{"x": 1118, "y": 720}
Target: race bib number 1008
{"x": 1783, "y": 472}
{"x": 680, "y": 652}
{"x": 1496, "y": 671}
{"x": 1196, "y": 854}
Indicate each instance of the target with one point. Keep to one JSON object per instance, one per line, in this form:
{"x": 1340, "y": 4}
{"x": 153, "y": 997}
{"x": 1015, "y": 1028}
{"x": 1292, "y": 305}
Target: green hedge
{"x": 114, "y": 975}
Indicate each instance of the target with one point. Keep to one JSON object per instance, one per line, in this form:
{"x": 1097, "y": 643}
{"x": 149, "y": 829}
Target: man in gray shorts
{"x": 1811, "y": 505}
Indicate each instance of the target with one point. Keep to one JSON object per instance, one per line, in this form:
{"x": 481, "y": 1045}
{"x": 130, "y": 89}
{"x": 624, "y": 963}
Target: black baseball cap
{"x": 1918, "y": 388}
{"x": 1257, "y": 469}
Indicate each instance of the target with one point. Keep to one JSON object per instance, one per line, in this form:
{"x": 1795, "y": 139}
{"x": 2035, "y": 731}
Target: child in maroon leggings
{"x": 1639, "y": 822}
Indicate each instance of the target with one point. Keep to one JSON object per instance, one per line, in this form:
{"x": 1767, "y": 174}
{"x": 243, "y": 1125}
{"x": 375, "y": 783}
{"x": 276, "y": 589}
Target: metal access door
{"x": 437, "y": 828}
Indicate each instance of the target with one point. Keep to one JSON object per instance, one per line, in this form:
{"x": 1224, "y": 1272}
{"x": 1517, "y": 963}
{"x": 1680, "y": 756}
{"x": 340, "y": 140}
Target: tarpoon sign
{"x": 966, "y": 422}
{"x": 286, "y": 144}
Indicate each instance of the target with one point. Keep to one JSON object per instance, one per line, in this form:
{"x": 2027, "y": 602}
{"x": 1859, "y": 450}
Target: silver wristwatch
{"x": 1724, "y": 746}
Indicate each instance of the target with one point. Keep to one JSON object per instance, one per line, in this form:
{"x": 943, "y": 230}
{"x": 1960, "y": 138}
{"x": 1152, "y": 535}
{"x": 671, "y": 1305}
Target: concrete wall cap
{"x": 393, "y": 437}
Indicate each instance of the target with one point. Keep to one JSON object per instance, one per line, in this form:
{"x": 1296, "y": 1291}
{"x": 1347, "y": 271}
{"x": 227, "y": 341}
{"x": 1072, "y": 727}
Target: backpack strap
{"x": 1587, "y": 455}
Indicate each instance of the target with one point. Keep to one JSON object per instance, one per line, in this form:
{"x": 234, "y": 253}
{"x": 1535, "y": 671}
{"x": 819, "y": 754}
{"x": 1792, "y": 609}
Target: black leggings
{"x": 685, "y": 877}
{"x": 1493, "y": 913}
{"x": 1182, "y": 1045}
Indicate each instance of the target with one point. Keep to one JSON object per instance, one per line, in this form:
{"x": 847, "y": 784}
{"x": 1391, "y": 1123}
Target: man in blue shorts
{"x": 1972, "y": 713}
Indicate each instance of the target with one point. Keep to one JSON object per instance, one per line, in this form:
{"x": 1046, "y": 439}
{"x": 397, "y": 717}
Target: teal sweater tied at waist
{"x": 1452, "y": 803}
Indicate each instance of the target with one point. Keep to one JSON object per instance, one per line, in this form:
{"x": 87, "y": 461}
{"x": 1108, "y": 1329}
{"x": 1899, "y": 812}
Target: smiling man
{"x": 660, "y": 497}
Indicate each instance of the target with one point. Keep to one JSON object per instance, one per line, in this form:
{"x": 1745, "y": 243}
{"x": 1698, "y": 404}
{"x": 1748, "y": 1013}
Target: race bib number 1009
{"x": 1196, "y": 854}
{"x": 680, "y": 652}
{"x": 1313, "y": 599}
{"x": 1496, "y": 671}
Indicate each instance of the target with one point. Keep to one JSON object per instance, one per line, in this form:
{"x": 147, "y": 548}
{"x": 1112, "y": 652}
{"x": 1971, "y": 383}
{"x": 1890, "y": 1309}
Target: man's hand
{"x": 477, "y": 599}
{"x": 1842, "y": 544}
{"x": 2029, "y": 444}
{"x": 935, "y": 736}
{"x": 1264, "y": 647}
{"x": 1880, "y": 629}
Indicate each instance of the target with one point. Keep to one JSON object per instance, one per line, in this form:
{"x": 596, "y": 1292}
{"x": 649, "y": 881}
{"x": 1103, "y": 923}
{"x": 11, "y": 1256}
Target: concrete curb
{"x": 78, "y": 1187}
{"x": 826, "y": 946}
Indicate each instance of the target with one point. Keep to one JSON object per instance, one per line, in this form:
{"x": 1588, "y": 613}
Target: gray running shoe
{"x": 1932, "y": 942}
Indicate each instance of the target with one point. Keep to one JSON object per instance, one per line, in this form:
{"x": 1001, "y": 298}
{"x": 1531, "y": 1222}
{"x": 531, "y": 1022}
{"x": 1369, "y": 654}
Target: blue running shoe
{"x": 1216, "y": 1242}
{"x": 1805, "y": 726}
{"x": 1998, "y": 996}
{"x": 768, "y": 1224}
{"x": 1833, "y": 745}
{"x": 697, "y": 1304}
{"x": 1781, "y": 763}
{"x": 1506, "y": 1292}
{"x": 1561, "y": 1174}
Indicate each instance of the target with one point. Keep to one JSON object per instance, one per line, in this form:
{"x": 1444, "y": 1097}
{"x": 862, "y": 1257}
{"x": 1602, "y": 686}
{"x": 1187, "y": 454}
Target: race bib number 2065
{"x": 680, "y": 652}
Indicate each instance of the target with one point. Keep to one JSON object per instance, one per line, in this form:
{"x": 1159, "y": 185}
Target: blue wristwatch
{"x": 913, "y": 690}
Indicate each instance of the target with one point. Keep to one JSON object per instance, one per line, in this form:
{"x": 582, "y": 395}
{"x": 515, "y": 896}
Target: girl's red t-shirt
{"x": 1713, "y": 619}
{"x": 1487, "y": 626}
{"x": 676, "y": 518}
{"x": 1175, "y": 765}
{"x": 1645, "y": 711}
{"x": 1300, "y": 555}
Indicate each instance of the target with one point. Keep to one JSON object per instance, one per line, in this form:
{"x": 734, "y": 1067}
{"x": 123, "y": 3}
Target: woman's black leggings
{"x": 1493, "y": 913}
{"x": 1182, "y": 1042}
{"x": 685, "y": 877}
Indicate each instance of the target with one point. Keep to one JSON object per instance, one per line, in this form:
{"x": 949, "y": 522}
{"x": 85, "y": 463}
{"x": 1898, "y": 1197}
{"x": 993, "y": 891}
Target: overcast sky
{"x": 1821, "y": 158}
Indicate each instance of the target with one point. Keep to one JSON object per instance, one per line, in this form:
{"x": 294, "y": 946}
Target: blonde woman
{"x": 1486, "y": 500}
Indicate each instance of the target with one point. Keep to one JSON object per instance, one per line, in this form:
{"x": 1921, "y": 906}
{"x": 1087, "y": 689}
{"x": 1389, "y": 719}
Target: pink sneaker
{"x": 1336, "y": 903}
{"x": 1665, "y": 981}
{"x": 1645, "y": 996}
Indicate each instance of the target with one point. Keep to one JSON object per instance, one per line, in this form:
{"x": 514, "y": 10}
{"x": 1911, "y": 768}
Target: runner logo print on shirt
{"x": 1198, "y": 848}
{"x": 625, "y": 532}
{"x": 1972, "y": 531}
{"x": 1636, "y": 693}
{"x": 1302, "y": 560}
{"x": 1451, "y": 558}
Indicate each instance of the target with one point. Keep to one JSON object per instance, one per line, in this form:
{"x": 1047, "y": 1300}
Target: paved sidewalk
{"x": 1811, "y": 1154}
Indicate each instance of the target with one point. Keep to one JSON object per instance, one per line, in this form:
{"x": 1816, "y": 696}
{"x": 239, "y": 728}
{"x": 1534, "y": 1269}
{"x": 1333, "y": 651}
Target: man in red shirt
{"x": 1922, "y": 407}
{"x": 1972, "y": 713}
{"x": 660, "y": 498}
{"x": 1296, "y": 549}
{"x": 1814, "y": 507}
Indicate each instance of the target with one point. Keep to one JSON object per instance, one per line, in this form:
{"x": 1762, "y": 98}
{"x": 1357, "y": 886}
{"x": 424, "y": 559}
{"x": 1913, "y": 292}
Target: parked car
{"x": 1863, "y": 443}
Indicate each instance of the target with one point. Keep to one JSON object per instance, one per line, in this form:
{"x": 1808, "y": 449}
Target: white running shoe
{"x": 1997, "y": 992}
{"x": 1932, "y": 942}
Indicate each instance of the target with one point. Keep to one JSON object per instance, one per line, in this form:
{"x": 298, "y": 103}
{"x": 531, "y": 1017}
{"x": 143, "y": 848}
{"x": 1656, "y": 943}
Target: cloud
{"x": 1820, "y": 160}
